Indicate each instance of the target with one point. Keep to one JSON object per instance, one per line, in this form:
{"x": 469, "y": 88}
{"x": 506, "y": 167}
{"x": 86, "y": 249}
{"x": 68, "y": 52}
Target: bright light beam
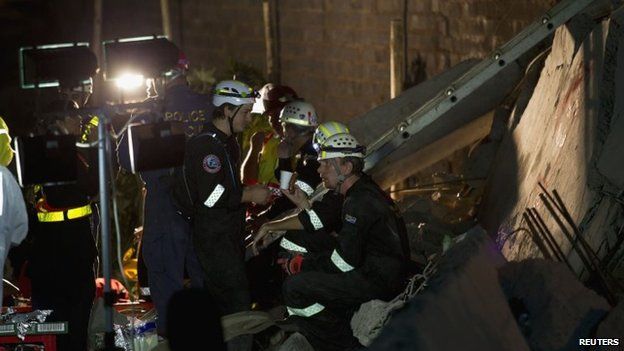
{"x": 129, "y": 81}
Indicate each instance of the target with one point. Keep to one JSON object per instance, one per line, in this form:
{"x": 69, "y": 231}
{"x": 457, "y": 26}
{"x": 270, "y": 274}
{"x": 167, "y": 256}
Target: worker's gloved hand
{"x": 292, "y": 265}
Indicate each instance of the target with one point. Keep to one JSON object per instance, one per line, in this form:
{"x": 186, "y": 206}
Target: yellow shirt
{"x": 6, "y": 153}
{"x": 267, "y": 162}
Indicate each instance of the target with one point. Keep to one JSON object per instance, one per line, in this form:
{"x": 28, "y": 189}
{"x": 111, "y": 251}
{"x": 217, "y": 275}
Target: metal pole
{"x": 271, "y": 39}
{"x": 397, "y": 57}
{"x": 103, "y": 147}
{"x": 96, "y": 47}
{"x": 567, "y": 234}
{"x": 166, "y": 19}
{"x": 542, "y": 225}
{"x": 535, "y": 236}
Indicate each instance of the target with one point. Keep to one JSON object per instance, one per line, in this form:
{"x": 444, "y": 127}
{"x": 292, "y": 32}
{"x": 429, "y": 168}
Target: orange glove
{"x": 291, "y": 266}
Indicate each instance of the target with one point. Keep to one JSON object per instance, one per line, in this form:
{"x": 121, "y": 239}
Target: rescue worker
{"x": 166, "y": 245}
{"x": 13, "y": 216}
{"x": 311, "y": 228}
{"x": 295, "y": 152}
{"x": 261, "y": 160}
{"x": 63, "y": 252}
{"x": 209, "y": 192}
{"x": 368, "y": 261}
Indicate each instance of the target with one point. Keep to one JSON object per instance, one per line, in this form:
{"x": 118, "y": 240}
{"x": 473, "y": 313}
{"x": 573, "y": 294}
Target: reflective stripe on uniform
{"x": 4, "y": 131}
{"x": 215, "y": 195}
{"x": 59, "y": 216}
{"x": 289, "y": 245}
{"x": 315, "y": 219}
{"x": 305, "y": 187}
{"x": 340, "y": 262}
{"x": 305, "y": 312}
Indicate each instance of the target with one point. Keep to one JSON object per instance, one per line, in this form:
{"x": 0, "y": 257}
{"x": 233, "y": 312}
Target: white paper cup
{"x": 285, "y": 179}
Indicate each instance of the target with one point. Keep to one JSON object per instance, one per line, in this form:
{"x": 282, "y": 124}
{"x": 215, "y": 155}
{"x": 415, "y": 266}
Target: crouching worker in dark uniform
{"x": 368, "y": 261}
{"x": 209, "y": 191}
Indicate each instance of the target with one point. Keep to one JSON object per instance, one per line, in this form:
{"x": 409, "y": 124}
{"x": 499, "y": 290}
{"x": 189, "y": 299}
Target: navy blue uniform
{"x": 166, "y": 244}
{"x": 367, "y": 262}
{"x": 212, "y": 188}
{"x": 320, "y": 223}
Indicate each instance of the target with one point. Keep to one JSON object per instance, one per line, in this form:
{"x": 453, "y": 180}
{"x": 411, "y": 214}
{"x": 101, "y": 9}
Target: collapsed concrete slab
{"x": 554, "y": 142}
{"x": 463, "y": 308}
{"x": 453, "y": 130}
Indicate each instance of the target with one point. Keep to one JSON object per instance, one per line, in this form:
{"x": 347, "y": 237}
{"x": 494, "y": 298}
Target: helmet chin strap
{"x": 231, "y": 120}
{"x": 341, "y": 177}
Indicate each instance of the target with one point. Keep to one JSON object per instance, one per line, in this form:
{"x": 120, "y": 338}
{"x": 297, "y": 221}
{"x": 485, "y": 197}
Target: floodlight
{"x": 146, "y": 56}
{"x": 156, "y": 145}
{"x": 46, "y": 159}
{"x": 130, "y": 81}
{"x": 69, "y": 65}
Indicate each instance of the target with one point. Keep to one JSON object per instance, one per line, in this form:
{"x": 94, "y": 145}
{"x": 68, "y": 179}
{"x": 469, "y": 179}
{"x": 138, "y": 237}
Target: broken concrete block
{"x": 463, "y": 308}
{"x": 557, "y": 308}
{"x": 296, "y": 342}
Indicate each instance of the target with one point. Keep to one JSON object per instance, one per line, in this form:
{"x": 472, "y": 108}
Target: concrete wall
{"x": 336, "y": 52}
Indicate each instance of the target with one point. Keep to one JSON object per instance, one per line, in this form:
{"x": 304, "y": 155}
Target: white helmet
{"x": 325, "y": 130}
{"x": 341, "y": 145}
{"x": 300, "y": 113}
{"x": 233, "y": 92}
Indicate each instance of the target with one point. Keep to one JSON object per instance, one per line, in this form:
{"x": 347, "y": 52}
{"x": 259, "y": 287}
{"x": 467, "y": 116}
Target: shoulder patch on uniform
{"x": 211, "y": 163}
{"x": 350, "y": 219}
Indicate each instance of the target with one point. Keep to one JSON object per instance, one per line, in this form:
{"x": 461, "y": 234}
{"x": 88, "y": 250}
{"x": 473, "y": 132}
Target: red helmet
{"x": 273, "y": 98}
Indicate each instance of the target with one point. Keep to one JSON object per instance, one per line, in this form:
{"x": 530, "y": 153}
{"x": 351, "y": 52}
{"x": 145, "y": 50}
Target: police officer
{"x": 166, "y": 243}
{"x": 367, "y": 262}
{"x": 210, "y": 191}
{"x": 63, "y": 249}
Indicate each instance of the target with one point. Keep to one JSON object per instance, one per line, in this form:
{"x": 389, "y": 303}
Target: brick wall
{"x": 335, "y": 52}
